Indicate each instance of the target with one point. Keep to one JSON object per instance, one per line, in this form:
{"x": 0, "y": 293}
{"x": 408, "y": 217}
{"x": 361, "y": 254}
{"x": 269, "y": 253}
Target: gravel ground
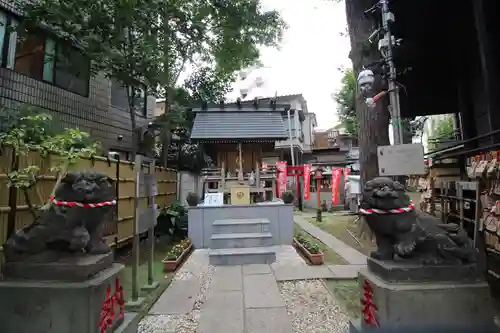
{"x": 196, "y": 267}
{"x": 309, "y": 303}
{"x": 312, "y": 308}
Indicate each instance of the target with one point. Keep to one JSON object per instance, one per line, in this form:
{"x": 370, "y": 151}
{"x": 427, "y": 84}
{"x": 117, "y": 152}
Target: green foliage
{"x": 287, "y": 197}
{"x": 443, "y": 130}
{"x": 192, "y": 199}
{"x": 151, "y": 42}
{"x": 346, "y": 103}
{"x": 172, "y": 221}
{"x": 311, "y": 247}
{"x": 178, "y": 250}
{"x": 32, "y": 133}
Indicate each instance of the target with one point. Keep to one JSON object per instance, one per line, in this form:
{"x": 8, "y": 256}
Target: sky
{"x": 311, "y": 53}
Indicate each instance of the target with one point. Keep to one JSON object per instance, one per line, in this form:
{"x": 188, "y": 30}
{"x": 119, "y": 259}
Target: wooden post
{"x": 318, "y": 176}
{"x": 223, "y": 175}
{"x": 151, "y": 193}
{"x": 240, "y": 164}
{"x": 257, "y": 176}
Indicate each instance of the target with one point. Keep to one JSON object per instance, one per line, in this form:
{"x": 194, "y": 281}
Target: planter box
{"x": 171, "y": 265}
{"x": 315, "y": 259}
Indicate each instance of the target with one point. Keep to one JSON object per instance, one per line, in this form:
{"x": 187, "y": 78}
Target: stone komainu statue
{"x": 64, "y": 229}
{"x": 411, "y": 236}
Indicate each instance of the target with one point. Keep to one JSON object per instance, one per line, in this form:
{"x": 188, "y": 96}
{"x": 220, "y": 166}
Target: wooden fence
{"x": 14, "y": 212}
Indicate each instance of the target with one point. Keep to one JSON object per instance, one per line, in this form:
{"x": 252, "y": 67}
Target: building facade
{"x": 38, "y": 72}
{"x": 300, "y": 127}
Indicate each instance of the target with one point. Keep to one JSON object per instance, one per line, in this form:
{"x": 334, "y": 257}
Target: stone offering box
{"x": 78, "y": 294}
{"x": 405, "y": 297}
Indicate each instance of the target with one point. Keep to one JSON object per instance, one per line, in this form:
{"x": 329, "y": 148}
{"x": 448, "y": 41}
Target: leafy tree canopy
{"x": 152, "y": 41}
{"x": 443, "y": 131}
{"x": 346, "y": 103}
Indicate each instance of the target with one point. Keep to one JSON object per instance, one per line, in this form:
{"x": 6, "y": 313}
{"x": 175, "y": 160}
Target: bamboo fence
{"x": 15, "y": 213}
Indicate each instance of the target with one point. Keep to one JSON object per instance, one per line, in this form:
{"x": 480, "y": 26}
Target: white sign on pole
{"x": 401, "y": 160}
{"x": 214, "y": 199}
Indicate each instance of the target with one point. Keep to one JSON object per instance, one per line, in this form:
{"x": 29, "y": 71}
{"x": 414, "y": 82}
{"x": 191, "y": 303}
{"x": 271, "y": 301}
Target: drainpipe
{"x": 290, "y": 136}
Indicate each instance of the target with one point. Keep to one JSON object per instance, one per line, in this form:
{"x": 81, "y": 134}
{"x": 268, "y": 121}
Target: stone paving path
{"x": 349, "y": 254}
{"x": 249, "y": 298}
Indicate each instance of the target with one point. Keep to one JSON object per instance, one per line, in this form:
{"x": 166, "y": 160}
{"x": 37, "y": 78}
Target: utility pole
{"x": 386, "y": 48}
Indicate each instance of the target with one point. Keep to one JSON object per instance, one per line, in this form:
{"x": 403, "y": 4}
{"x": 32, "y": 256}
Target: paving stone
{"x": 222, "y": 313}
{"x": 227, "y": 278}
{"x": 345, "y": 271}
{"x": 275, "y": 320}
{"x": 253, "y": 269}
{"x": 290, "y": 273}
{"x": 261, "y": 291}
{"x": 178, "y": 299}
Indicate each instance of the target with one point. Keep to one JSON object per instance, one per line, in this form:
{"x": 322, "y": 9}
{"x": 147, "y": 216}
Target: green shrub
{"x": 310, "y": 246}
{"x": 177, "y": 250}
{"x": 287, "y": 197}
{"x": 192, "y": 199}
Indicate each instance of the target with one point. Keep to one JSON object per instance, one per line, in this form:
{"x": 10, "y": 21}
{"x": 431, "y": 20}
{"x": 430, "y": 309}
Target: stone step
{"x": 228, "y": 226}
{"x": 240, "y": 240}
{"x": 242, "y": 256}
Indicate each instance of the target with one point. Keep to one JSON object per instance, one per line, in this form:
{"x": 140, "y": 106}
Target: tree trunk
{"x": 373, "y": 122}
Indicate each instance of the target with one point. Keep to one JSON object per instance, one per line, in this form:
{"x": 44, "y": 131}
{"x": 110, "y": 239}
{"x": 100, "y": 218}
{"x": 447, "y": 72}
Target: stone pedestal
{"x": 440, "y": 300}
{"x": 28, "y": 306}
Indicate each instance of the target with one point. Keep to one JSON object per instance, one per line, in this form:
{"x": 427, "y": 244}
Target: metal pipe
{"x": 136, "y": 244}
{"x": 397, "y": 127}
{"x": 290, "y": 136}
{"x": 151, "y": 230}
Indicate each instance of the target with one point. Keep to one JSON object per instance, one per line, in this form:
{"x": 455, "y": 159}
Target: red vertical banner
{"x": 347, "y": 171}
{"x": 307, "y": 181}
{"x": 281, "y": 168}
{"x": 335, "y": 184}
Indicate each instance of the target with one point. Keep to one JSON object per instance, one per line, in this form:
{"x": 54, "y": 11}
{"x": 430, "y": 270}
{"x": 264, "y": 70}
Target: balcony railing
{"x": 444, "y": 141}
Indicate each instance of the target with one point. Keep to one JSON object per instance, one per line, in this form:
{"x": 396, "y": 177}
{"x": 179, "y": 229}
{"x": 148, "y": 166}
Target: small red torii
{"x": 296, "y": 171}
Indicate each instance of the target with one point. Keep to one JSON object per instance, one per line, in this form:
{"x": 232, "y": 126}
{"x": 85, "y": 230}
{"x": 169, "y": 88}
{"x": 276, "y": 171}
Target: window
{"x": 119, "y": 98}
{"x": 42, "y": 58}
{"x": 3, "y": 29}
{"x": 71, "y": 69}
{"x": 139, "y": 97}
{"x": 29, "y": 55}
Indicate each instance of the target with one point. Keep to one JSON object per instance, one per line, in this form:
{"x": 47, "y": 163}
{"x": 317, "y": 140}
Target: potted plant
{"x": 176, "y": 255}
{"x": 192, "y": 199}
{"x": 287, "y": 197}
{"x": 309, "y": 249}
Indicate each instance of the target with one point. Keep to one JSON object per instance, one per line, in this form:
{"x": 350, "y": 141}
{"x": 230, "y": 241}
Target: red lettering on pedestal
{"x": 119, "y": 299}
{"x": 112, "y": 302}
{"x": 369, "y": 308}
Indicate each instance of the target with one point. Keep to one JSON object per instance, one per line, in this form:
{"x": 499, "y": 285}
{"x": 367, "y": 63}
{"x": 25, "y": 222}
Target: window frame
{"x": 117, "y": 87}
{"x": 144, "y": 111}
{"x": 4, "y": 23}
{"x": 48, "y": 70}
{"x": 57, "y": 47}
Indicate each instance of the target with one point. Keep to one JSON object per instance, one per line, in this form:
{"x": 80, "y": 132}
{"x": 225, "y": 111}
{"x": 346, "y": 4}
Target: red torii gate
{"x": 296, "y": 171}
